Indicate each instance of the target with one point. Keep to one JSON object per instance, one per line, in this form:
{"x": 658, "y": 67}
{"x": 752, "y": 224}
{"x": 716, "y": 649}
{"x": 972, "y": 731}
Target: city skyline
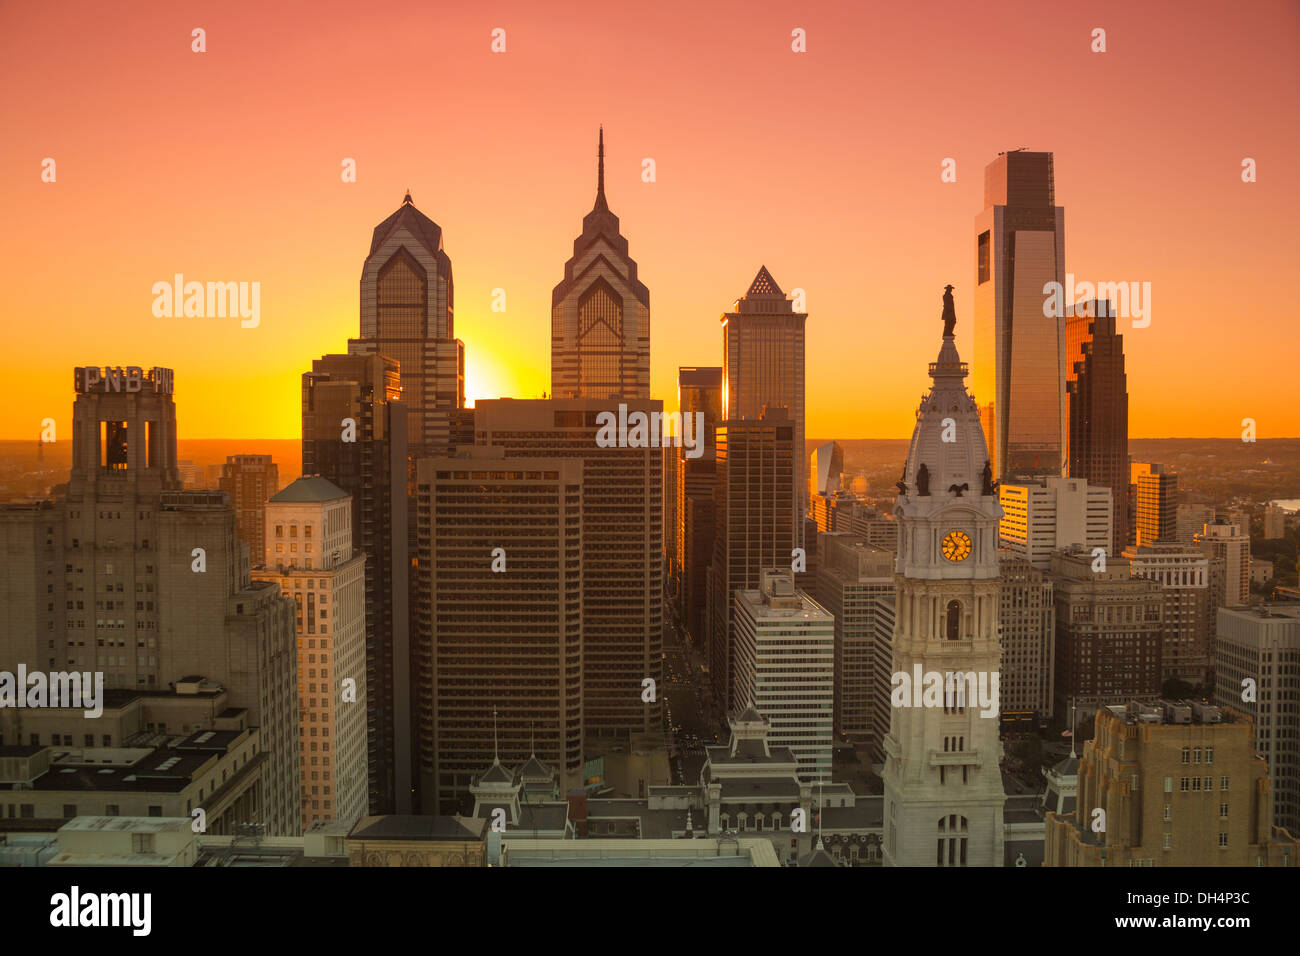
{"x": 863, "y": 233}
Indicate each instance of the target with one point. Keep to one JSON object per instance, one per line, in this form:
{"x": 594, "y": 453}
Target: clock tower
{"x": 943, "y": 785}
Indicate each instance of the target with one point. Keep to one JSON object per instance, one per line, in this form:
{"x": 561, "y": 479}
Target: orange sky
{"x": 824, "y": 166}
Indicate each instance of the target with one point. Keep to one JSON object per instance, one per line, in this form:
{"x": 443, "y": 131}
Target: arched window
{"x": 776, "y": 821}
{"x": 953, "y": 631}
{"x": 725, "y": 821}
{"x": 758, "y": 822}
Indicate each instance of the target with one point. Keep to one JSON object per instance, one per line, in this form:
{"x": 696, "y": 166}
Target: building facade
{"x": 600, "y": 312}
{"x": 250, "y": 480}
{"x": 763, "y": 367}
{"x": 354, "y": 433}
{"x": 943, "y": 785}
{"x": 1027, "y": 624}
{"x": 1048, "y": 514}
{"x": 1020, "y": 348}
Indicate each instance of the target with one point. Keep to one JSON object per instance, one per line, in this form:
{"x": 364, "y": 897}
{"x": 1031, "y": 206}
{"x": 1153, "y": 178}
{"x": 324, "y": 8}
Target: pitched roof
{"x": 497, "y": 774}
{"x": 417, "y": 223}
{"x": 310, "y": 488}
{"x": 764, "y": 284}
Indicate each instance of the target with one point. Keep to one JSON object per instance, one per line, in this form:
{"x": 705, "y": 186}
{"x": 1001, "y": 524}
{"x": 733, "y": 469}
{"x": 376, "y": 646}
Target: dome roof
{"x": 948, "y": 439}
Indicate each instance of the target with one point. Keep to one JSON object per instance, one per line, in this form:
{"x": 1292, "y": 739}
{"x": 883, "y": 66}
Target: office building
{"x": 1027, "y": 624}
{"x": 1097, "y": 392}
{"x": 500, "y": 562}
{"x": 1191, "y": 520}
{"x": 1221, "y": 539}
{"x": 1045, "y": 515}
{"x": 1275, "y": 521}
{"x": 1179, "y": 784}
{"x": 1020, "y": 353}
{"x": 853, "y": 578}
{"x": 309, "y": 556}
{"x": 621, "y": 556}
{"x": 1109, "y": 629}
{"x": 825, "y": 469}
{"x": 1257, "y": 656}
{"x": 132, "y": 575}
{"x": 763, "y": 367}
{"x": 699, "y": 390}
{"x": 1184, "y": 578}
{"x": 600, "y": 312}
{"x": 408, "y": 314}
{"x": 1154, "y": 488}
{"x": 354, "y": 434}
{"x": 250, "y": 480}
{"x": 753, "y": 518}
{"x": 785, "y": 662}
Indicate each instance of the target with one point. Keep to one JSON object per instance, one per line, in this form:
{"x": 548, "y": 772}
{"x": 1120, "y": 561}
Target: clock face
{"x": 956, "y": 546}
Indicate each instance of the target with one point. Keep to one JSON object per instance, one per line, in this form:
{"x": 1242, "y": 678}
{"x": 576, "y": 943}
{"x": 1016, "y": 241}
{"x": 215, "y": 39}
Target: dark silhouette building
{"x": 1097, "y": 390}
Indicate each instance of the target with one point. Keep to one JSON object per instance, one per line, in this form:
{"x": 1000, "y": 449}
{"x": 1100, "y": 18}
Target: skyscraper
{"x": 368, "y": 460}
{"x": 1041, "y": 516}
{"x": 1261, "y": 645}
{"x": 150, "y": 581}
{"x": 699, "y": 389}
{"x": 1183, "y": 575}
{"x": 753, "y": 520}
{"x": 1224, "y": 540}
{"x": 1027, "y": 624}
{"x": 763, "y": 367}
{"x": 1019, "y": 351}
{"x": 943, "y": 784}
{"x": 309, "y": 555}
{"x": 853, "y": 578}
{"x": 1154, "y": 489}
{"x": 501, "y": 611}
{"x": 1109, "y": 627}
{"x": 622, "y": 551}
{"x": 600, "y": 312}
{"x": 407, "y": 313}
{"x": 250, "y": 480}
{"x": 1097, "y": 387}
{"x": 785, "y": 662}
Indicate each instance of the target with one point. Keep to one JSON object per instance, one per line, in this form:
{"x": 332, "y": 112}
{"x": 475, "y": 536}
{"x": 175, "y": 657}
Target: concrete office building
{"x": 371, "y": 466}
{"x": 1043, "y": 516}
{"x": 250, "y": 480}
{"x": 1184, "y": 578}
{"x": 131, "y": 575}
{"x": 309, "y": 555}
{"x": 1180, "y": 785}
{"x": 753, "y": 516}
{"x": 1261, "y": 645}
{"x": 785, "y": 663}
{"x": 1220, "y": 539}
{"x": 500, "y": 565}
{"x": 1155, "y": 503}
{"x": 853, "y": 578}
{"x": 1109, "y": 629}
{"x": 1027, "y": 624}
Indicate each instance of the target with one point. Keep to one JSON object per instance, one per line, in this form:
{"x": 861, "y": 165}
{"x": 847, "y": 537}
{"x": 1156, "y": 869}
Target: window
{"x": 1168, "y": 813}
{"x": 1209, "y": 755}
{"x": 1169, "y": 784}
{"x": 1223, "y": 783}
{"x": 112, "y": 810}
{"x": 983, "y": 257}
{"x": 1182, "y": 784}
{"x": 1187, "y": 755}
{"x": 69, "y": 811}
{"x": 953, "y": 630}
{"x": 1223, "y": 811}
{"x": 141, "y": 842}
{"x": 1169, "y": 841}
{"x": 1223, "y": 841}
{"x": 951, "y": 845}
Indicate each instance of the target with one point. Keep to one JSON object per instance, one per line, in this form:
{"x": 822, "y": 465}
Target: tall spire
{"x": 600, "y": 173}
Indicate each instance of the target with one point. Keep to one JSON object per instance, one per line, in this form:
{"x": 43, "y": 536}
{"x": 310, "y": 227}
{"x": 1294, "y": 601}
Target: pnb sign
{"x": 130, "y": 379}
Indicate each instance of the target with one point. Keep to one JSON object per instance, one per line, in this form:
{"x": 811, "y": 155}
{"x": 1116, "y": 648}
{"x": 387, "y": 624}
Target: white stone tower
{"x": 943, "y": 786}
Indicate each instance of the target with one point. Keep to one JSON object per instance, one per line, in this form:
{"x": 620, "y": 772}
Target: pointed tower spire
{"x": 601, "y": 204}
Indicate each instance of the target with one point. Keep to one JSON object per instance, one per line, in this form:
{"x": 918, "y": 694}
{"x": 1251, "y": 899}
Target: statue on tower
{"x": 949, "y": 312}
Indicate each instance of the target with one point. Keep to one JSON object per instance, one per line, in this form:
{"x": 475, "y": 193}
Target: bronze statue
{"x": 958, "y": 489}
{"x": 988, "y": 479}
{"x": 949, "y": 312}
{"x": 922, "y": 480}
